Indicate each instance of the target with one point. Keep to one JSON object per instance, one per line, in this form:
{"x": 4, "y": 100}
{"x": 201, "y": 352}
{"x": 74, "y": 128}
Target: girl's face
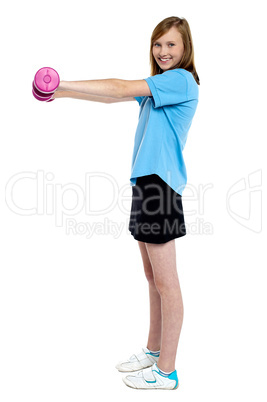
{"x": 168, "y": 49}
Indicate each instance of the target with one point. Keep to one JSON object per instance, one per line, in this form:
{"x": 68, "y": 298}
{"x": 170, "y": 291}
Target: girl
{"x": 168, "y": 101}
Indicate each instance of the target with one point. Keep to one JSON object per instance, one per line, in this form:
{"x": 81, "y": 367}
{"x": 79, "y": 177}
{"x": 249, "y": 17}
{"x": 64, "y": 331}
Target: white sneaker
{"x": 138, "y": 362}
{"x": 152, "y": 378}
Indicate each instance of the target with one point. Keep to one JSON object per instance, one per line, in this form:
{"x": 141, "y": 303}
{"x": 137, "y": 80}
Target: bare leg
{"x": 163, "y": 261}
{"x": 154, "y": 337}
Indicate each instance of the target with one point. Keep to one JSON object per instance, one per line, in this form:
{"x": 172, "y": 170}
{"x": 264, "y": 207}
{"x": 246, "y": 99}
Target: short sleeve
{"x": 168, "y": 88}
{"x": 139, "y": 99}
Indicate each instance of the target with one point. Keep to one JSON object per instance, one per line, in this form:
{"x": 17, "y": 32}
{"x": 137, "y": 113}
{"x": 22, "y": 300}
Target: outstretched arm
{"x": 93, "y": 98}
{"x": 111, "y": 88}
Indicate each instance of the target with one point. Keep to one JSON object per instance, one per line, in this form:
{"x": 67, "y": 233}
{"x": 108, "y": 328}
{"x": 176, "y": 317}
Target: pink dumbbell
{"x": 41, "y": 96}
{"x": 45, "y": 83}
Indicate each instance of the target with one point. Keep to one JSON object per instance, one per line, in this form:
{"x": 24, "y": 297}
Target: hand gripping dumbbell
{"x": 45, "y": 83}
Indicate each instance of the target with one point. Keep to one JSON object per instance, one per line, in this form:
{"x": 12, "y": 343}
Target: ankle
{"x": 167, "y": 368}
{"x": 153, "y": 348}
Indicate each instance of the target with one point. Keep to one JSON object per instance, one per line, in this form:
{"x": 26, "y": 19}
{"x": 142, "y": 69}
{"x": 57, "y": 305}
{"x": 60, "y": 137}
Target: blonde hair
{"x": 187, "y": 62}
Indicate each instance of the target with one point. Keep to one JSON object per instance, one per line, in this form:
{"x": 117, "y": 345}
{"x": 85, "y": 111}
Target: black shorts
{"x": 156, "y": 212}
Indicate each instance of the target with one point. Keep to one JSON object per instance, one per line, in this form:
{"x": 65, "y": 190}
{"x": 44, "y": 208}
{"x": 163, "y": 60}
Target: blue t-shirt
{"x": 164, "y": 122}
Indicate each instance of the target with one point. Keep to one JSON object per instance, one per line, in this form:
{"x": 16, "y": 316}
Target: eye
{"x": 171, "y": 44}
{"x": 156, "y": 44}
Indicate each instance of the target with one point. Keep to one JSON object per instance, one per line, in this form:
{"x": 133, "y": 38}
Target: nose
{"x": 163, "y": 51}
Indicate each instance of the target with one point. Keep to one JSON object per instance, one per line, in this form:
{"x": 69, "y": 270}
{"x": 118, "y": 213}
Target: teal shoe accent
{"x": 173, "y": 376}
{"x": 153, "y": 354}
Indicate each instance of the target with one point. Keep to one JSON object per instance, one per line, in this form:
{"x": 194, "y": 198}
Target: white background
{"x": 72, "y": 306}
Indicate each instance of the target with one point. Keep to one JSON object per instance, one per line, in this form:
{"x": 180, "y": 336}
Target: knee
{"x": 149, "y": 275}
{"x": 160, "y": 285}
{"x": 166, "y": 287}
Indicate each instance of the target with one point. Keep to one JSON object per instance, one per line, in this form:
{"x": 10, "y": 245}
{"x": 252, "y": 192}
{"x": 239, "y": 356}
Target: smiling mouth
{"x": 164, "y": 60}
